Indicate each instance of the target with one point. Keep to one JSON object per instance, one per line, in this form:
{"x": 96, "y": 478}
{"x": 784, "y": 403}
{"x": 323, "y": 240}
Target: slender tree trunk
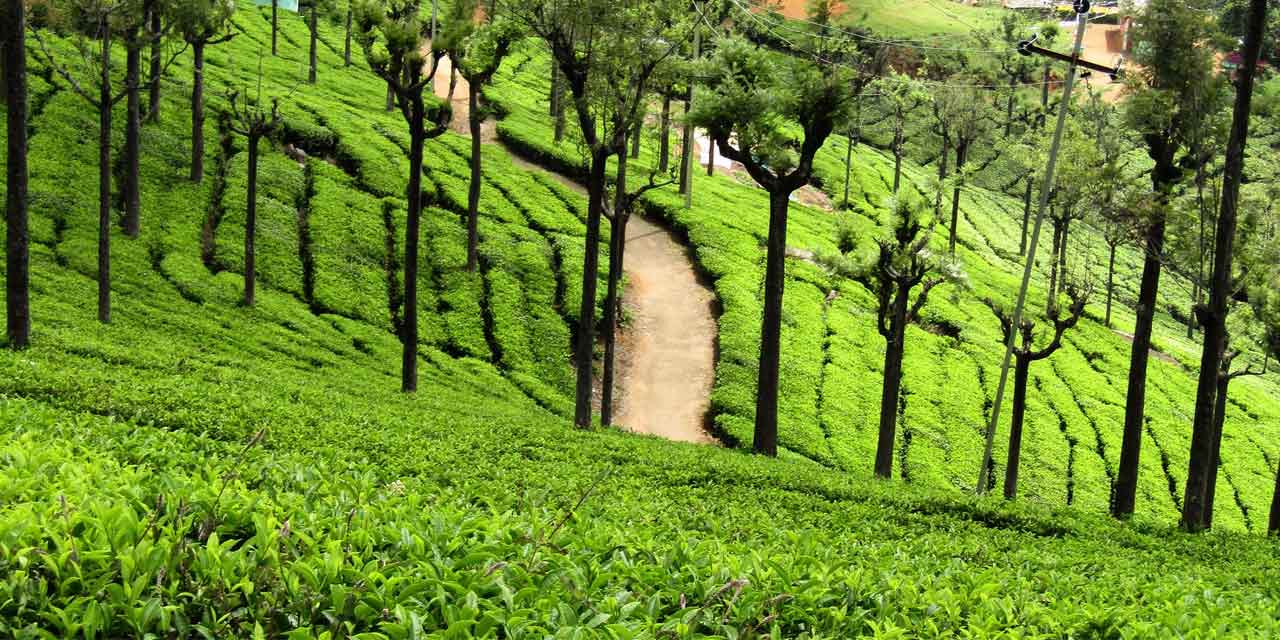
{"x": 391, "y": 98}
{"x": 590, "y": 276}
{"x": 314, "y": 27}
{"x": 1215, "y": 465}
{"x": 1135, "y": 401}
{"x": 346, "y": 42}
{"x": 453, "y": 82}
{"x": 664, "y": 149}
{"x": 1026, "y": 214}
{"x": 251, "y": 223}
{"x": 157, "y": 67}
{"x": 765, "y": 439}
{"x": 104, "y": 178}
{"x": 473, "y": 194}
{"x": 943, "y": 168}
{"x": 1020, "y": 375}
{"x": 132, "y": 142}
{"x": 635, "y": 141}
{"x": 275, "y": 26}
{"x": 617, "y": 249}
{"x": 895, "y": 347}
{"x": 897, "y": 155}
{"x": 1044, "y": 98}
{"x": 197, "y": 112}
{"x": 1008, "y": 113}
{"x": 1213, "y": 316}
{"x": 686, "y": 152}
{"x": 848, "y": 168}
{"x": 1273, "y": 523}
{"x": 711, "y": 156}
{"x": 1053, "y": 263}
{"x": 962, "y": 152}
{"x": 13, "y": 63}
{"x": 1111, "y": 281}
{"x": 413, "y": 221}
{"x": 1062, "y": 250}
{"x": 556, "y": 95}
{"x": 559, "y": 113}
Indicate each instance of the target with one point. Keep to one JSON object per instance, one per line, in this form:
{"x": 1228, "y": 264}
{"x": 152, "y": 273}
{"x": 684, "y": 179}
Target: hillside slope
{"x": 198, "y": 468}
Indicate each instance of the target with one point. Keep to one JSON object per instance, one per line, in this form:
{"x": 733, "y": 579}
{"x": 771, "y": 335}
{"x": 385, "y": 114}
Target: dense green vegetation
{"x": 203, "y": 469}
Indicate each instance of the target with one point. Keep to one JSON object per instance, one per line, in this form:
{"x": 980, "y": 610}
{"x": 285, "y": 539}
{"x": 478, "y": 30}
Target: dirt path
{"x": 666, "y": 352}
{"x": 669, "y": 367}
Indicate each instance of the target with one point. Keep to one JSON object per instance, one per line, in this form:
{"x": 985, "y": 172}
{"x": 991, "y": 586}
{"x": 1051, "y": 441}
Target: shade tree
{"x": 254, "y": 121}
{"x": 13, "y": 67}
{"x": 394, "y": 36}
{"x": 1170, "y": 92}
{"x": 201, "y": 23}
{"x": 1025, "y": 354}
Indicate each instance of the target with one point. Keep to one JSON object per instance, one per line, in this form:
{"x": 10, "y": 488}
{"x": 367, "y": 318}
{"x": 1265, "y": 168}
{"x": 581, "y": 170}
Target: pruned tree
{"x": 314, "y": 8}
{"x": 13, "y": 65}
{"x": 393, "y": 36}
{"x": 608, "y": 52}
{"x": 755, "y": 99}
{"x": 254, "y": 121}
{"x": 905, "y": 264}
{"x": 968, "y": 125}
{"x": 902, "y": 94}
{"x": 476, "y": 51}
{"x": 1026, "y": 354}
{"x": 94, "y": 22}
{"x": 201, "y": 23}
{"x": 1172, "y": 90}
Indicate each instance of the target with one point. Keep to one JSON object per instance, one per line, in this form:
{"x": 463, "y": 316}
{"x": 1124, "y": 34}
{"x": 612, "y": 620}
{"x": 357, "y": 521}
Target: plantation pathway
{"x": 666, "y": 353}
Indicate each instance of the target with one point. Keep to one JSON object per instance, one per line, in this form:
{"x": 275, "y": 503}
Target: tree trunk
{"x": 559, "y": 120}
{"x": 413, "y": 221}
{"x": 1044, "y": 98}
{"x": 590, "y": 276}
{"x": 473, "y": 194}
{"x": 635, "y": 141}
{"x": 315, "y": 34}
{"x": 453, "y": 82}
{"x": 251, "y": 223}
{"x": 765, "y": 440}
{"x": 664, "y": 149}
{"x": 1214, "y": 314}
{"x": 848, "y": 168}
{"x": 197, "y": 112}
{"x": 1021, "y": 373}
{"x": 617, "y": 250}
{"x": 1215, "y": 464}
{"x": 346, "y": 42}
{"x": 1053, "y": 264}
{"x": 157, "y": 67}
{"x": 13, "y": 63}
{"x": 962, "y": 152}
{"x": 391, "y": 98}
{"x": 275, "y": 26}
{"x": 1008, "y": 114}
{"x": 556, "y": 96}
{"x": 711, "y": 156}
{"x": 132, "y": 143}
{"x": 1135, "y": 401}
{"x": 897, "y": 156}
{"x": 104, "y": 177}
{"x": 1273, "y": 523}
{"x": 1111, "y": 282}
{"x": 1062, "y": 251}
{"x": 1026, "y": 213}
{"x": 895, "y": 347}
{"x": 943, "y": 159}
{"x": 686, "y": 152}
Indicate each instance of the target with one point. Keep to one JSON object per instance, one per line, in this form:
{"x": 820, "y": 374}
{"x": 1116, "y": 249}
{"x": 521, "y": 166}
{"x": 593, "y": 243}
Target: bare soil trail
{"x": 669, "y": 367}
{"x": 666, "y": 351}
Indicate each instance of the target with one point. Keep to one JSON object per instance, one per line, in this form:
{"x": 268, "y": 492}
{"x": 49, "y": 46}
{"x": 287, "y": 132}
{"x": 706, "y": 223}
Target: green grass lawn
{"x": 919, "y": 19}
{"x": 202, "y": 469}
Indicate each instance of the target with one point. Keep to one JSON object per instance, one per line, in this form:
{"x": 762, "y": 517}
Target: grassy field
{"x": 201, "y": 469}
{"x": 906, "y": 18}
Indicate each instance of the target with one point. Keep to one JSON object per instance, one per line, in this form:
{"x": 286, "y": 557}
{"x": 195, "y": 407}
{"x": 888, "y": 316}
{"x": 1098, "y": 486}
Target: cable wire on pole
{"x": 1082, "y": 18}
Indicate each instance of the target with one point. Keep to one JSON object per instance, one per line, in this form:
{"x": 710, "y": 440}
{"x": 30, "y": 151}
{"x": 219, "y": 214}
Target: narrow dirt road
{"x": 669, "y": 344}
{"x": 666, "y": 352}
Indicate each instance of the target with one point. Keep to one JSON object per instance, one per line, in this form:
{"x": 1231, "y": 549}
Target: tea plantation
{"x": 198, "y": 468}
